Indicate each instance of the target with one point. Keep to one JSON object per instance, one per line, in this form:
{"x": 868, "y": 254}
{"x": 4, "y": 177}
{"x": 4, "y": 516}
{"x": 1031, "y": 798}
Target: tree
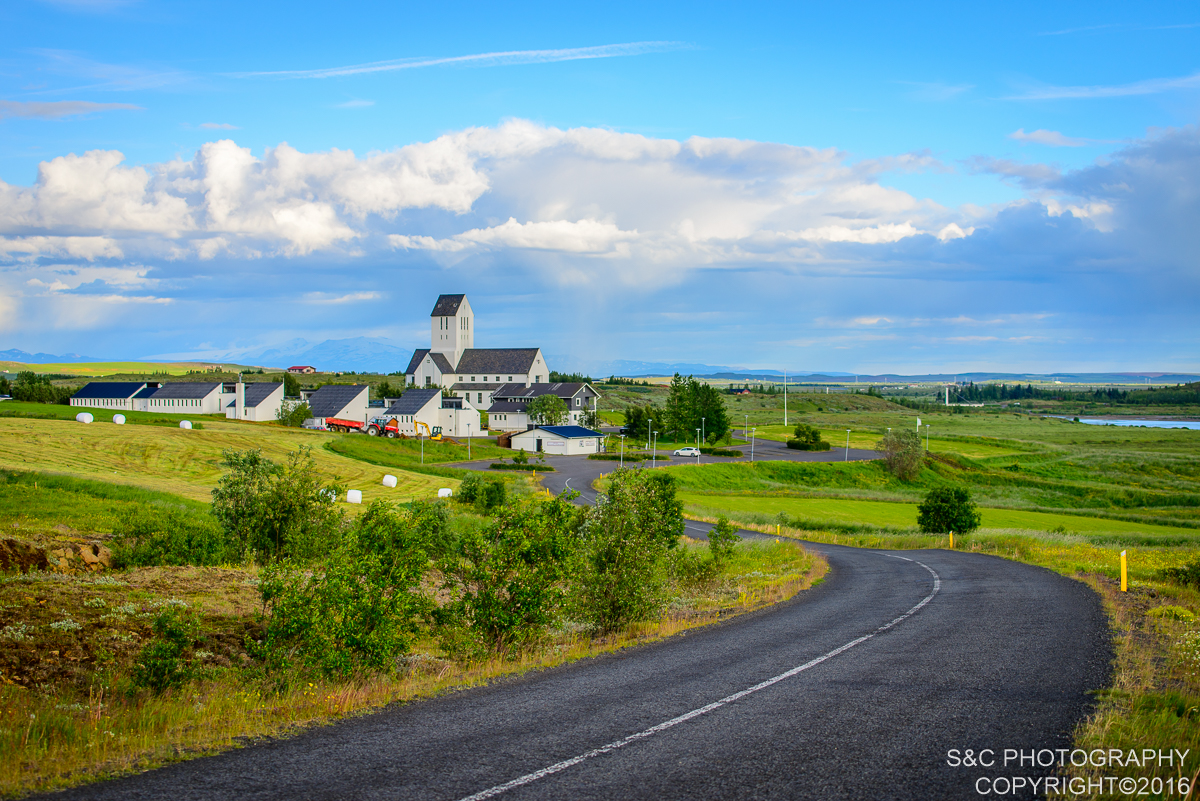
{"x": 547, "y": 410}
{"x": 33, "y": 388}
{"x": 721, "y": 539}
{"x": 590, "y": 419}
{"x": 902, "y": 453}
{"x": 807, "y": 438}
{"x": 506, "y": 580}
{"x": 637, "y": 421}
{"x": 291, "y": 386}
{"x": 273, "y": 510}
{"x": 946, "y": 509}
{"x": 625, "y": 539}
{"x": 293, "y": 414}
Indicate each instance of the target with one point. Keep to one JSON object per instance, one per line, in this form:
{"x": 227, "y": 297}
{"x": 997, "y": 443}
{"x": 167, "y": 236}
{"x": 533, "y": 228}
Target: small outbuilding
{"x": 559, "y": 440}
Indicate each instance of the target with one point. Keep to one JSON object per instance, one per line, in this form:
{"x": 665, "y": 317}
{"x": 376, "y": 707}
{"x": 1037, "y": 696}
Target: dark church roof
{"x": 447, "y": 305}
{"x": 496, "y": 361}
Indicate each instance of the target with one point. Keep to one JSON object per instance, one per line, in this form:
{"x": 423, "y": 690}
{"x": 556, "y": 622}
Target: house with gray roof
{"x": 453, "y": 362}
{"x": 257, "y": 402}
{"x": 343, "y": 401}
{"x": 507, "y": 412}
{"x": 120, "y": 396}
{"x": 559, "y": 440}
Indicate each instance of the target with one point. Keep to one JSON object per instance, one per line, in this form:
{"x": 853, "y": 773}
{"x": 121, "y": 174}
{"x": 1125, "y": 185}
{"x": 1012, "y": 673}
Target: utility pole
{"x": 785, "y": 399}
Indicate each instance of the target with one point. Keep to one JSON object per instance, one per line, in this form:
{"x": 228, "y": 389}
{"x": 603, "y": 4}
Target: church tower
{"x": 451, "y": 327}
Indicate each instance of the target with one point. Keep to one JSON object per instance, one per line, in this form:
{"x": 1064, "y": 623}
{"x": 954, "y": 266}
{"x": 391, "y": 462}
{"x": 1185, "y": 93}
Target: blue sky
{"x": 803, "y": 186}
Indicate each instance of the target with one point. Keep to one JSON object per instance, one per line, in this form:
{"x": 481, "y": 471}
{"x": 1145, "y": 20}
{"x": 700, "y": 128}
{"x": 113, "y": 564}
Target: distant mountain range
{"x": 379, "y": 355}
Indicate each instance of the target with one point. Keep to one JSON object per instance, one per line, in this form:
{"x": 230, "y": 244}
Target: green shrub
{"x": 946, "y": 509}
{"x": 276, "y": 510}
{"x": 807, "y": 438}
{"x": 537, "y": 468}
{"x": 902, "y": 453}
{"x": 160, "y": 664}
{"x": 506, "y": 579}
{"x": 721, "y": 540}
{"x": 157, "y": 535}
{"x": 293, "y": 415}
{"x": 625, "y": 540}
{"x": 484, "y": 494}
{"x": 360, "y": 609}
{"x": 1187, "y": 575}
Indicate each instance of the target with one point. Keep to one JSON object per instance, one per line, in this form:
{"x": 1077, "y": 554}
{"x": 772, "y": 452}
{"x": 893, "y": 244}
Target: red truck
{"x": 378, "y": 427}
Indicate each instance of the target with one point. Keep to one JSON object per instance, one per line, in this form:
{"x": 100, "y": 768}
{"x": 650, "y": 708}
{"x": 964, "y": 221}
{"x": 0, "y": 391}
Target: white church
{"x": 474, "y": 374}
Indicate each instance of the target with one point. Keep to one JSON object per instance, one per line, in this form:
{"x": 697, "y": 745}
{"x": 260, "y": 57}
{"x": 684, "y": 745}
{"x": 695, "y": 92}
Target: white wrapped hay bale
{"x": 353, "y": 496}
{"x": 444, "y": 492}
{"x": 185, "y": 424}
{"x": 389, "y": 481}
{"x": 119, "y": 419}
{"x": 84, "y": 417}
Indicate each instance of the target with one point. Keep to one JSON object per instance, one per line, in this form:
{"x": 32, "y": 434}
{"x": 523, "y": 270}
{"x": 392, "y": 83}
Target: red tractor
{"x": 384, "y": 427}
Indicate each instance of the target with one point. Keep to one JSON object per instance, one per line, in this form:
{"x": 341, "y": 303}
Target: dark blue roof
{"x": 258, "y": 392}
{"x": 110, "y": 389}
{"x": 571, "y": 432}
{"x": 147, "y": 392}
{"x": 331, "y": 399}
{"x": 185, "y": 390}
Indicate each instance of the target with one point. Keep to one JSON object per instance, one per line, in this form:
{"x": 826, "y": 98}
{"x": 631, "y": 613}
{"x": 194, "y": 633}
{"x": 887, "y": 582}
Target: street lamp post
{"x": 649, "y": 428}
{"x": 927, "y": 437}
{"x": 847, "y": 458}
{"x": 622, "y": 436}
{"x": 745, "y": 425}
{"x": 697, "y": 446}
{"x": 468, "y": 442}
{"x": 654, "y": 452}
{"x": 752, "y": 444}
{"x": 785, "y": 399}
{"x": 703, "y": 436}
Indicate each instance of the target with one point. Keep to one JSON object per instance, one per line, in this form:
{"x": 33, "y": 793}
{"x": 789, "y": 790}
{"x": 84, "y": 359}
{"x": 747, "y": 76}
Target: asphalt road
{"x": 578, "y": 472}
{"x": 855, "y": 689}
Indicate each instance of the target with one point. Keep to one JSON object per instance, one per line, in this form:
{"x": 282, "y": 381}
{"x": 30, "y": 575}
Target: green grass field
{"x": 93, "y": 369}
{"x": 903, "y": 515}
{"x": 182, "y": 462}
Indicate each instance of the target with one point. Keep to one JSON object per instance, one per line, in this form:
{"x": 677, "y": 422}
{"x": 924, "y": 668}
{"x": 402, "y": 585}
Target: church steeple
{"x": 451, "y": 327}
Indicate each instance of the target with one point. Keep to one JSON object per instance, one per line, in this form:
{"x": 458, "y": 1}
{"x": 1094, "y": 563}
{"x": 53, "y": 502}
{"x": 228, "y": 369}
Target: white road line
{"x": 528, "y": 778}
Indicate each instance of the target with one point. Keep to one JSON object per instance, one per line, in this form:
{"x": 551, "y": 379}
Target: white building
{"x": 474, "y": 374}
{"x": 507, "y": 412}
{"x": 120, "y": 396}
{"x": 341, "y": 401}
{"x": 455, "y": 417}
{"x": 237, "y": 401}
{"x": 559, "y": 440}
{"x": 259, "y": 402}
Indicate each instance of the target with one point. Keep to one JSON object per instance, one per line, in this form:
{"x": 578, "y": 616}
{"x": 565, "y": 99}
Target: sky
{"x": 870, "y": 188}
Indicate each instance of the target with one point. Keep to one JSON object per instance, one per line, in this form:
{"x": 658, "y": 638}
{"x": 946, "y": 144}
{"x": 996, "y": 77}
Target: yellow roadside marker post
{"x": 1124, "y": 573}
{"x": 952, "y": 540}
{"x": 776, "y": 529}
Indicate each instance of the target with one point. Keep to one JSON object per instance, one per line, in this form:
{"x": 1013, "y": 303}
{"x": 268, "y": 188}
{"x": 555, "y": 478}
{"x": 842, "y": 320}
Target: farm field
{"x": 185, "y": 463}
{"x": 903, "y": 515}
{"x": 94, "y": 369}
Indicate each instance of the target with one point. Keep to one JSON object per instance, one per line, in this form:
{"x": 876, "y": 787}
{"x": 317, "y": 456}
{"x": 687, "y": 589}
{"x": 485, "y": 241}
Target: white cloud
{"x": 58, "y": 109}
{"x": 81, "y": 247}
{"x": 219, "y": 126}
{"x": 502, "y": 58}
{"x": 351, "y": 297}
{"x": 1151, "y": 86}
{"x": 1052, "y": 138}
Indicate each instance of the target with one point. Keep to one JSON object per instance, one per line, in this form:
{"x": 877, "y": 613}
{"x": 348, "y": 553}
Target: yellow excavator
{"x": 434, "y": 434}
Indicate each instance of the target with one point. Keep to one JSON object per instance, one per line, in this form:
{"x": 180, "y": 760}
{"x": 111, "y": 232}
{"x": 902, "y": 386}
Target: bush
{"x": 359, "y": 610}
{"x": 157, "y": 535}
{"x": 946, "y": 509}
{"x": 1187, "y": 575}
{"x": 804, "y": 445}
{"x": 276, "y": 510}
{"x": 293, "y": 415}
{"x": 722, "y": 451}
{"x": 807, "y": 438}
{"x": 625, "y": 539}
{"x": 537, "y": 468}
{"x": 721, "y": 540}
{"x": 903, "y": 455}
{"x": 160, "y": 664}
{"x": 484, "y": 494}
{"x": 506, "y": 579}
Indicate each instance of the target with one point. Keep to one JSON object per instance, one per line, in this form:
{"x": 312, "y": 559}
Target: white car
{"x": 691, "y": 453}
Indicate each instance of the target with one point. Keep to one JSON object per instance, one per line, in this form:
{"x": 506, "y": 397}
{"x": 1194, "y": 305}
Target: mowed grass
{"x": 186, "y": 463}
{"x": 903, "y": 515}
{"x": 868, "y": 439}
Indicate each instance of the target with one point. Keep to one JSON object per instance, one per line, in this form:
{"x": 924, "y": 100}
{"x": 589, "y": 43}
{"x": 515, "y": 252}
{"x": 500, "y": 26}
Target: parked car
{"x": 690, "y": 452}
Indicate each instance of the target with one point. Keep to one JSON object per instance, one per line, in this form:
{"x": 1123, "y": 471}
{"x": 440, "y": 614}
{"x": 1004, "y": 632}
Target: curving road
{"x": 855, "y": 689}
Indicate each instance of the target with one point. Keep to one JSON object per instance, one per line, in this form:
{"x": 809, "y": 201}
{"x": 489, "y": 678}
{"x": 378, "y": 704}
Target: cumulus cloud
{"x": 53, "y": 110}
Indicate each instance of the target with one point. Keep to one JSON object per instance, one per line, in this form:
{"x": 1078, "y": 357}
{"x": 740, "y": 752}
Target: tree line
{"x": 691, "y": 405}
